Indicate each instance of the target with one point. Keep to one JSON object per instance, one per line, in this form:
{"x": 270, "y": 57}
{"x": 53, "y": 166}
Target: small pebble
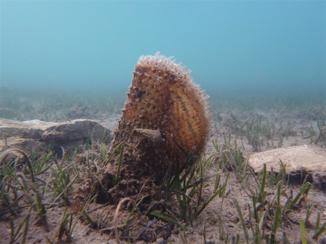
{"x": 161, "y": 241}
{"x": 322, "y": 240}
{"x": 209, "y": 242}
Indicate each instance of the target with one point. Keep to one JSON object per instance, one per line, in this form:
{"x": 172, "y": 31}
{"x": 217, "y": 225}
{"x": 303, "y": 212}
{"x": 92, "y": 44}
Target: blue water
{"x": 239, "y": 47}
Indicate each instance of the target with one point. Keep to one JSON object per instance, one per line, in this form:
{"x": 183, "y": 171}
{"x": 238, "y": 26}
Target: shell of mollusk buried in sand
{"x": 164, "y": 102}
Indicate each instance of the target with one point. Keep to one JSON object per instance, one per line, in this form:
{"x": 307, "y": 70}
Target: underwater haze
{"x": 243, "y": 48}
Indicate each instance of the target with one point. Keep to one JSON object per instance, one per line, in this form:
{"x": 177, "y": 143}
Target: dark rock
{"x": 77, "y": 130}
{"x": 322, "y": 240}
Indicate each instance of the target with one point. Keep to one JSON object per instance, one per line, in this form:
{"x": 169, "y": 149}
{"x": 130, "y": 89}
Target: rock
{"x": 161, "y": 241}
{"x": 34, "y": 134}
{"x": 305, "y": 161}
{"x": 31, "y": 129}
{"x": 322, "y": 240}
{"x": 76, "y": 130}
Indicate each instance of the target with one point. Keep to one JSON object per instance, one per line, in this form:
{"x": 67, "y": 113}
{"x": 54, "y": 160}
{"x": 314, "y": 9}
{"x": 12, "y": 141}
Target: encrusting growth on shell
{"x": 164, "y": 125}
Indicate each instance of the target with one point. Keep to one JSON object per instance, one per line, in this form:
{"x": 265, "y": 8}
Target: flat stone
{"x": 309, "y": 160}
{"x": 35, "y": 134}
{"x": 76, "y": 130}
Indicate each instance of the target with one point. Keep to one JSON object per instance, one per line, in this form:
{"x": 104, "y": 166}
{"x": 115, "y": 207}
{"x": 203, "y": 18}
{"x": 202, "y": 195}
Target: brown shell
{"x": 162, "y": 97}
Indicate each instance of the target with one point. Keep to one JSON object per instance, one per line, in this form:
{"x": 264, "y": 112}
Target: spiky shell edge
{"x": 169, "y": 64}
